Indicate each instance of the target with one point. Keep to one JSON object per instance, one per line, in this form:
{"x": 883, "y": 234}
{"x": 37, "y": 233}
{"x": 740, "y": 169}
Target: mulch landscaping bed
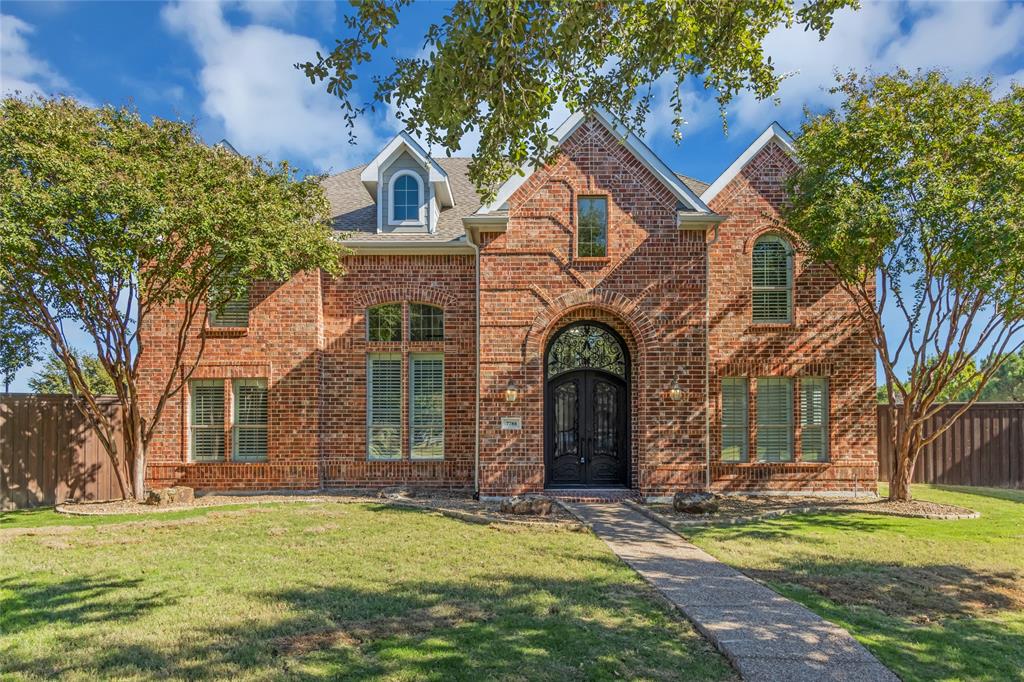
{"x": 456, "y": 505}
{"x": 741, "y": 509}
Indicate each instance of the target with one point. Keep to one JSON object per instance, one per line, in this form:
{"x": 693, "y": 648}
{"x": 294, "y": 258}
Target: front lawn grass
{"x": 329, "y": 591}
{"x": 47, "y": 516}
{"x": 934, "y": 600}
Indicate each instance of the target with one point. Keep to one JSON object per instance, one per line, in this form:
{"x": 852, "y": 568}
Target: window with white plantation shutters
{"x": 772, "y": 280}
{"x": 233, "y": 313}
{"x": 249, "y": 435}
{"x": 426, "y": 406}
{"x": 207, "y": 420}
{"x": 774, "y": 419}
{"x": 814, "y": 419}
{"x": 734, "y": 419}
{"x": 384, "y": 406}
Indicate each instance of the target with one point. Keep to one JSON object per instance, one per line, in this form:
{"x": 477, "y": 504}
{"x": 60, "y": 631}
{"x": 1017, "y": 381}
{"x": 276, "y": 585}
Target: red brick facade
{"x": 308, "y": 338}
{"x": 826, "y": 338}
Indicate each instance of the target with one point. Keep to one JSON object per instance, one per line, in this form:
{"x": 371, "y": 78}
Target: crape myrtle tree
{"x": 500, "y": 66}
{"x": 912, "y": 192}
{"x": 106, "y": 219}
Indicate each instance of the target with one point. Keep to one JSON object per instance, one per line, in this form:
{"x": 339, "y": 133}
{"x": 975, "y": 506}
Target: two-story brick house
{"x": 603, "y": 323}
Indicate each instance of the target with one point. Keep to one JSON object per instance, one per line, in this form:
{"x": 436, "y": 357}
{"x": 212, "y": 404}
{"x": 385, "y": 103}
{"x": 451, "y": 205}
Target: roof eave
{"x": 407, "y": 248}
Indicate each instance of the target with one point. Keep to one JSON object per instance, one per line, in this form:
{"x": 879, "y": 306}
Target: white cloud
{"x": 19, "y": 70}
{"x": 1002, "y": 84}
{"x": 963, "y": 39}
{"x": 265, "y": 105}
{"x": 270, "y": 11}
{"x": 699, "y": 109}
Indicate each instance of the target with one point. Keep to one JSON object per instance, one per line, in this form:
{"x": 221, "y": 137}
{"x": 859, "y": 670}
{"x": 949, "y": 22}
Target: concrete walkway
{"x": 764, "y": 635}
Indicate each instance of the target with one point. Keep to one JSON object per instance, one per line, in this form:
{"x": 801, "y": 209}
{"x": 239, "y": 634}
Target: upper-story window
{"x": 406, "y": 198}
{"x": 426, "y": 322}
{"x": 592, "y": 227}
{"x": 232, "y": 313}
{"x": 772, "y": 280}
{"x": 384, "y": 322}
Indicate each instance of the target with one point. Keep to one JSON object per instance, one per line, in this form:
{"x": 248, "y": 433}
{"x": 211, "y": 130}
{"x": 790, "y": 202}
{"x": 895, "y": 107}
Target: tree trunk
{"x": 906, "y": 443}
{"x": 903, "y": 472}
{"x": 138, "y": 461}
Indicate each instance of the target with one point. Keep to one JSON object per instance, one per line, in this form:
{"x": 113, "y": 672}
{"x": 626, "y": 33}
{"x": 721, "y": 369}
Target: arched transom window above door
{"x": 586, "y": 346}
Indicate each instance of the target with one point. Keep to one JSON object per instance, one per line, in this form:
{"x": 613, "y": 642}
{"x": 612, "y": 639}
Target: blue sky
{"x": 228, "y": 66}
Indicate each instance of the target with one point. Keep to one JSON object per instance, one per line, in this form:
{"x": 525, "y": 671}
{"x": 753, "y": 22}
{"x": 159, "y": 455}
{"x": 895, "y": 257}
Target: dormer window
{"x": 406, "y": 199}
{"x": 409, "y": 187}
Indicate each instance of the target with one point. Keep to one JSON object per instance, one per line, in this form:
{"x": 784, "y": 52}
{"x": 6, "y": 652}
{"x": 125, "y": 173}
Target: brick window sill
{"x": 424, "y": 346}
{"x": 750, "y": 465}
{"x": 592, "y": 261}
{"x": 225, "y": 332}
{"x": 772, "y": 326}
{"x": 192, "y": 462}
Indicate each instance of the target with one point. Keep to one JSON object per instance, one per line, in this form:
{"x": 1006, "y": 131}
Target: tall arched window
{"x": 772, "y": 280}
{"x": 405, "y": 198}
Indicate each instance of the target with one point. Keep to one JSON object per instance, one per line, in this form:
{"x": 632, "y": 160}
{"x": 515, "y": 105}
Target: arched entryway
{"x": 586, "y": 408}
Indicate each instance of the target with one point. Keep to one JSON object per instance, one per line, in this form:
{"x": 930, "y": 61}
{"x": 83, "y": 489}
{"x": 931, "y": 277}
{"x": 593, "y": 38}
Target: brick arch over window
{"x": 768, "y": 231}
{"x": 401, "y": 294}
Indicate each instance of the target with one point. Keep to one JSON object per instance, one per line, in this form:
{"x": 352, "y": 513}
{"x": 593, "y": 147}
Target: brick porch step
{"x": 594, "y": 495}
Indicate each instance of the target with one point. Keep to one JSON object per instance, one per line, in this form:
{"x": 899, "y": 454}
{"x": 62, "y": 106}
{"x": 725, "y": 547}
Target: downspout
{"x": 474, "y": 241}
{"x": 707, "y": 360}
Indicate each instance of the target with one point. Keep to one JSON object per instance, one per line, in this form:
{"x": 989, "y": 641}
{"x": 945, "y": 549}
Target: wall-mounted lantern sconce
{"x": 675, "y": 392}
{"x": 511, "y": 392}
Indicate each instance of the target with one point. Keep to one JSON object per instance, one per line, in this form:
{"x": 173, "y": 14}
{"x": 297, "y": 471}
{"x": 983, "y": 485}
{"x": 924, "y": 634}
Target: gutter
{"x": 409, "y": 248}
{"x": 690, "y": 220}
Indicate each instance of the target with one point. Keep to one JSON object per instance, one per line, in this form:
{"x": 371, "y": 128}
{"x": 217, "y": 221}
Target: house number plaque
{"x": 511, "y": 424}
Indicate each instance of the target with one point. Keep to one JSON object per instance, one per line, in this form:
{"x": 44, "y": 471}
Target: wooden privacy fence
{"x": 984, "y": 447}
{"x": 49, "y": 454}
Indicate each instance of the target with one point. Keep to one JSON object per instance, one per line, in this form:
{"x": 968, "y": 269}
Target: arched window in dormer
{"x": 406, "y": 198}
{"x": 772, "y": 280}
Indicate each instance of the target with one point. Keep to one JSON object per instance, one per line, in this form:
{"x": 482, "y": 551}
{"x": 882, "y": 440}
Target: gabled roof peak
{"x": 773, "y": 132}
{"x": 633, "y": 143}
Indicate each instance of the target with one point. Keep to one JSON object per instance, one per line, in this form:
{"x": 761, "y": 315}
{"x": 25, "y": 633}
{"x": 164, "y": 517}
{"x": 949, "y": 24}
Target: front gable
{"x": 641, "y": 154}
{"x": 771, "y": 158}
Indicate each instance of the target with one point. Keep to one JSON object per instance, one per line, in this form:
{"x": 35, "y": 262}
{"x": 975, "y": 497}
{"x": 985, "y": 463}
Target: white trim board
{"x": 773, "y": 132}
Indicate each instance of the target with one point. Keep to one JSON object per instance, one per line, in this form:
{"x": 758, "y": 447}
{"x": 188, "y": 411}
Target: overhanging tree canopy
{"x": 106, "y": 220}
{"x": 500, "y": 66}
{"x": 913, "y": 193}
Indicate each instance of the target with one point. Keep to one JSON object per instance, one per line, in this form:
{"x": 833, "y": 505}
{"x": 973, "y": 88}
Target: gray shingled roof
{"x": 353, "y": 209}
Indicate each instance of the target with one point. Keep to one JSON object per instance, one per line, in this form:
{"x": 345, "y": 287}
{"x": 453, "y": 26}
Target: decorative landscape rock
{"x": 162, "y": 497}
{"x": 695, "y": 503}
{"x": 538, "y": 506}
